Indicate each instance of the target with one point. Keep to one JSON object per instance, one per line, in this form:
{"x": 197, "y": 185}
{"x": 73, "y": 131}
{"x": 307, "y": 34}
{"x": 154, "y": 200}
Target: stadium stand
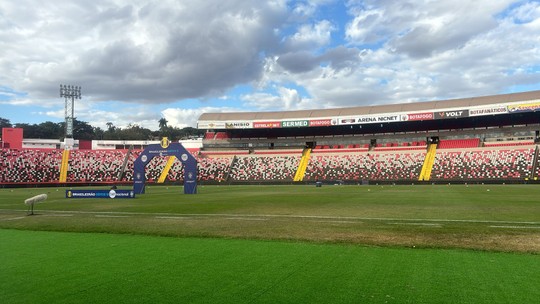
{"x": 95, "y": 165}
{"x": 264, "y": 168}
{"x": 459, "y": 143}
{"x": 30, "y": 165}
{"x": 365, "y": 166}
{"x": 488, "y": 138}
{"x": 483, "y": 164}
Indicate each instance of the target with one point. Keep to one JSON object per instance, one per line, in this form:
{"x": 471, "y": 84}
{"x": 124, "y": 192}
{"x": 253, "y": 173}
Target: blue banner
{"x": 113, "y": 193}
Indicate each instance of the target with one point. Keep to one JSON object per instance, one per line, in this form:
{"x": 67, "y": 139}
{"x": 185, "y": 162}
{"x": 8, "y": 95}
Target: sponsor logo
{"x": 235, "y": 125}
{"x": 112, "y": 194}
{"x": 374, "y": 119}
{"x": 487, "y": 111}
{"x": 524, "y": 107}
{"x": 267, "y": 124}
{"x": 165, "y": 142}
{"x": 320, "y": 123}
{"x": 452, "y": 114}
{"x": 348, "y": 121}
{"x": 417, "y": 116}
{"x": 294, "y": 124}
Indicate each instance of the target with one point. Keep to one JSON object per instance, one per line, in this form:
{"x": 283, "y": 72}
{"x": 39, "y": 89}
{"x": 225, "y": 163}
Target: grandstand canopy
{"x": 475, "y": 112}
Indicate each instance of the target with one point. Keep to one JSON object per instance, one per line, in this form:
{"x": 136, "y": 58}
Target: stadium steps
{"x": 228, "y": 174}
{"x": 535, "y": 164}
{"x": 124, "y": 164}
{"x": 425, "y": 174}
{"x": 168, "y": 166}
{"x": 64, "y": 167}
{"x": 301, "y": 171}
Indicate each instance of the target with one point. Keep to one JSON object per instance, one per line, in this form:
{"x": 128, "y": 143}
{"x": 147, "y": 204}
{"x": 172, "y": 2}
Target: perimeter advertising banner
{"x": 418, "y": 116}
{"x": 446, "y": 113}
{"x": 530, "y": 107}
{"x": 452, "y": 114}
{"x": 100, "y": 194}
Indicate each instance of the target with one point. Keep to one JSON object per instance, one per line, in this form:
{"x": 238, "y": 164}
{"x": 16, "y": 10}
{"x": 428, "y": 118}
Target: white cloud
{"x": 181, "y": 118}
{"x": 286, "y": 99}
{"x": 172, "y": 51}
{"x": 310, "y": 35}
{"x": 133, "y": 50}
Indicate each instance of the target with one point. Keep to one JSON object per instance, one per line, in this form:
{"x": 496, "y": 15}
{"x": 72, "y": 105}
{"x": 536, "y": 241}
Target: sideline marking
{"x": 341, "y": 222}
{"x": 245, "y": 219}
{"x": 417, "y": 224}
{"x": 13, "y": 218}
{"x": 175, "y": 217}
{"x": 104, "y": 215}
{"x": 517, "y": 227}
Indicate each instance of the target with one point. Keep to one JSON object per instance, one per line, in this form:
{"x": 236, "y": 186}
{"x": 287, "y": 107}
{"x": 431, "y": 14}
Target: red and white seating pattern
{"x": 260, "y": 168}
{"x": 483, "y": 164}
{"x": 30, "y": 165}
{"x": 95, "y": 165}
{"x": 43, "y": 165}
{"x": 365, "y": 166}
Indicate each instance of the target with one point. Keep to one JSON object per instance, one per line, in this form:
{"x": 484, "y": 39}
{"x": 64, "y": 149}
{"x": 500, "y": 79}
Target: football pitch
{"x": 275, "y": 244}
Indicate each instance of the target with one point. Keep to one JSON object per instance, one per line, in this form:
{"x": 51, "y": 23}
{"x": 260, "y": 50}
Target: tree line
{"x": 83, "y": 130}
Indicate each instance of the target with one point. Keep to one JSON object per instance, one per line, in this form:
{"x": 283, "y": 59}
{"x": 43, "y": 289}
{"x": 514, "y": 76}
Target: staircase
{"x": 64, "y": 166}
{"x": 301, "y": 171}
{"x": 425, "y": 174}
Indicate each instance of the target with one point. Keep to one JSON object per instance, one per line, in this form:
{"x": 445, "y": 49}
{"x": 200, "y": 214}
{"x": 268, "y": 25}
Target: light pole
{"x": 70, "y": 93}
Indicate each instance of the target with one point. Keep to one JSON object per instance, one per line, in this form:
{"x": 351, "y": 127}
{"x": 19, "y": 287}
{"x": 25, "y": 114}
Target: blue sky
{"x": 139, "y": 61}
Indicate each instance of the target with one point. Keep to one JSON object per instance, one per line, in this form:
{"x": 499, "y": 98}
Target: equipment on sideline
{"x": 30, "y": 202}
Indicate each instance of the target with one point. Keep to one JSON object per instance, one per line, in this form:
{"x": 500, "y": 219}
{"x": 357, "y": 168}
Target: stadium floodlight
{"x": 70, "y": 93}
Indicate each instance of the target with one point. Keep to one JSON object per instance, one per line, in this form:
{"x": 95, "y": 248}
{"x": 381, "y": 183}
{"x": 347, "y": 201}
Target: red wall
{"x": 85, "y": 144}
{"x": 12, "y": 138}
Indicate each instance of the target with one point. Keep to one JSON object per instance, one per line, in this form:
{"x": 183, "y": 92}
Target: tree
{"x": 98, "y": 132}
{"x": 50, "y": 130}
{"x": 5, "y": 123}
{"x": 162, "y": 124}
{"x": 110, "y": 126}
{"x": 82, "y": 130}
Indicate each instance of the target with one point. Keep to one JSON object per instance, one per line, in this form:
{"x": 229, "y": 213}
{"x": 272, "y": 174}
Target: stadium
{"x": 490, "y": 139}
{"x": 387, "y": 203}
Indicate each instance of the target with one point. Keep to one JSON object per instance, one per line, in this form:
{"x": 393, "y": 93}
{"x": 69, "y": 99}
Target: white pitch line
{"x": 517, "y": 227}
{"x": 340, "y": 222}
{"x": 174, "y": 217}
{"x": 55, "y": 214}
{"x": 245, "y": 219}
{"x": 339, "y": 218}
{"x": 13, "y": 218}
{"x": 102, "y": 215}
{"x": 417, "y": 224}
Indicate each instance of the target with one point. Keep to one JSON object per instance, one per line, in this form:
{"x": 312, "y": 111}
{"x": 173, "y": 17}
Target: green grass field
{"x": 275, "y": 244}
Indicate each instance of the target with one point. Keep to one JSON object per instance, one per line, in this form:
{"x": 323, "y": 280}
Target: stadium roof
{"x": 414, "y": 107}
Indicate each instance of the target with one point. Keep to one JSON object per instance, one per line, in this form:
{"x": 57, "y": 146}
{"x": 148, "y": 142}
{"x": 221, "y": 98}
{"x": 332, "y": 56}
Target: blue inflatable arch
{"x": 163, "y": 150}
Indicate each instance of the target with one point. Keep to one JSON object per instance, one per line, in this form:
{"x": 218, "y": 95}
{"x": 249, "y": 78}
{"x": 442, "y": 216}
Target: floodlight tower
{"x": 70, "y": 93}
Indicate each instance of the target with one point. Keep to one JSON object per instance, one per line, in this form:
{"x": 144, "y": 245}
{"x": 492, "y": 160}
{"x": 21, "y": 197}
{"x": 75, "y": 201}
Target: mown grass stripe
{"x": 108, "y": 268}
